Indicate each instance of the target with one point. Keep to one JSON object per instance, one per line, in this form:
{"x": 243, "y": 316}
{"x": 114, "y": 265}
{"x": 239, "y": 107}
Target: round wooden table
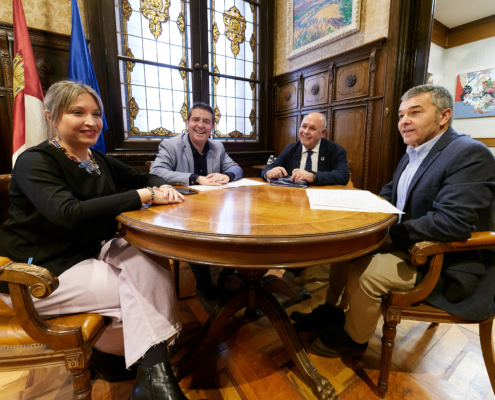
{"x": 254, "y": 229}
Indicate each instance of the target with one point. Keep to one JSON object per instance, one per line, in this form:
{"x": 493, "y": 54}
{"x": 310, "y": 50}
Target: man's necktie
{"x": 309, "y": 164}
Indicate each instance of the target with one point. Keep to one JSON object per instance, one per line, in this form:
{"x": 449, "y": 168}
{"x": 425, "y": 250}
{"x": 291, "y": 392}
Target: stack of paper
{"x": 238, "y": 183}
{"x": 349, "y": 200}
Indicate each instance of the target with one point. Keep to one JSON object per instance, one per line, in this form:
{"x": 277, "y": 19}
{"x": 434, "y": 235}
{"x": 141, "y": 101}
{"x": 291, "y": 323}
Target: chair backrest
{"x": 4, "y": 182}
{"x": 148, "y": 166}
{"x": 4, "y": 198}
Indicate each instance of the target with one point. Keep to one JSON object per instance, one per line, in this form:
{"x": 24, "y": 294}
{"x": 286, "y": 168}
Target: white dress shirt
{"x": 314, "y": 157}
{"x": 416, "y": 157}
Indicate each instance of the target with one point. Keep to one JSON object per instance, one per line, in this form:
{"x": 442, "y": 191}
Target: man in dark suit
{"x": 445, "y": 185}
{"x": 313, "y": 158}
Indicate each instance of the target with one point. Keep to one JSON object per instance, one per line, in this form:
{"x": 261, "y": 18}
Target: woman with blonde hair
{"x": 64, "y": 200}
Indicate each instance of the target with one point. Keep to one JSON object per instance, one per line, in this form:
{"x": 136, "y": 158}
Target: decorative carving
{"x": 251, "y": 117}
{"x": 235, "y": 25}
{"x": 8, "y": 73}
{"x": 88, "y": 352}
{"x": 135, "y": 131}
{"x": 133, "y": 109}
{"x": 130, "y": 64}
{"x": 157, "y": 12}
{"x": 217, "y": 116}
{"x": 4, "y": 49}
{"x": 235, "y": 134}
{"x": 183, "y": 111}
{"x": 218, "y": 133}
{"x": 126, "y": 9}
{"x": 39, "y": 289}
{"x": 372, "y": 61}
{"x": 44, "y": 67}
{"x": 18, "y": 74}
{"x": 367, "y": 146}
{"x": 216, "y": 79}
{"x": 252, "y": 83}
{"x": 216, "y": 32}
{"x": 315, "y": 89}
{"x": 182, "y": 72}
{"x": 330, "y": 73}
{"x": 393, "y": 315}
{"x": 252, "y": 8}
{"x": 287, "y": 96}
{"x": 252, "y": 42}
{"x": 372, "y": 74}
{"x": 252, "y": 135}
{"x": 73, "y": 361}
{"x": 351, "y": 80}
{"x": 161, "y": 132}
{"x": 181, "y": 22}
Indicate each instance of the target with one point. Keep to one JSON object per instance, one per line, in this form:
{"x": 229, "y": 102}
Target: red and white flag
{"x": 29, "y": 125}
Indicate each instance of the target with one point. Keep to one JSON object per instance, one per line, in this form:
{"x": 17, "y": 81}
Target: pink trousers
{"x": 124, "y": 284}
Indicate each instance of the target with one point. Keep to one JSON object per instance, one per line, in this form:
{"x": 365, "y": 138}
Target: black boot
{"x": 157, "y": 383}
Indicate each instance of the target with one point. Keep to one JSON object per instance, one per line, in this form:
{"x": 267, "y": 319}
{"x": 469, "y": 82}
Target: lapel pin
{"x": 323, "y": 159}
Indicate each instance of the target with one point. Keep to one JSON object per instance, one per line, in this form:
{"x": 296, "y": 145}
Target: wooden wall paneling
{"x": 286, "y": 132}
{"x": 421, "y": 39}
{"x": 374, "y": 139}
{"x": 52, "y": 65}
{"x": 6, "y": 105}
{"x": 315, "y": 89}
{"x": 287, "y": 95}
{"x": 331, "y": 80}
{"x": 352, "y": 80}
{"x": 349, "y": 129}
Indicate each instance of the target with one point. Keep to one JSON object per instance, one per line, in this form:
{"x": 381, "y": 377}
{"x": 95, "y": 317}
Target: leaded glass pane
{"x": 155, "y": 98}
{"x": 233, "y": 27}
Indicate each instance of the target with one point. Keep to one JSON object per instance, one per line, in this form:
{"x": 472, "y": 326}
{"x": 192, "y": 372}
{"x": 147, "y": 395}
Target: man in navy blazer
{"x": 313, "y": 158}
{"x": 192, "y": 158}
{"x": 445, "y": 185}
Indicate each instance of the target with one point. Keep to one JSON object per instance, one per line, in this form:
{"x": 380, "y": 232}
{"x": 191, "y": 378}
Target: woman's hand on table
{"x": 163, "y": 195}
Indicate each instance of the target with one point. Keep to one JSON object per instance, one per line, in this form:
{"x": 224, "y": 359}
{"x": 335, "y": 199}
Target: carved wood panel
{"x": 352, "y": 80}
{"x": 349, "y": 130}
{"x": 286, "y": 133}
{"x": 316, "y": 89}
{"x": 52, "y": 65}
{"x": 287, "y": 96}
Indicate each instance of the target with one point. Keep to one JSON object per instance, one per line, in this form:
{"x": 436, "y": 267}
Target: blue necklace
{"x": 90, "y": 166}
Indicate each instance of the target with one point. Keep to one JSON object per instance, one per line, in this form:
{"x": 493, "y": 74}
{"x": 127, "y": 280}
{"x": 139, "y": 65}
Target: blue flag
{"x": 80, "y": 64}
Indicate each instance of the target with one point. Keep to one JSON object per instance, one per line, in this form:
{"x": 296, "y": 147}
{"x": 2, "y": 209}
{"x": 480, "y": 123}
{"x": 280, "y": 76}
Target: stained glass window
{"x": 233, "y": 29}
{"x": 153, "y": 39}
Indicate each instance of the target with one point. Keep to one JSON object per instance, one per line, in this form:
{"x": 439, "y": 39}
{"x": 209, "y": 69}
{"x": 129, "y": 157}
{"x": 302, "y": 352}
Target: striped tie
{"x": 309, "y": 164}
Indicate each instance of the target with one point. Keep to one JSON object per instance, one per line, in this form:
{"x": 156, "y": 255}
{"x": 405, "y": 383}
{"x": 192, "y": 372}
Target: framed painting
{"x": 315, "y": 23}
{"x": 475, "y": 94}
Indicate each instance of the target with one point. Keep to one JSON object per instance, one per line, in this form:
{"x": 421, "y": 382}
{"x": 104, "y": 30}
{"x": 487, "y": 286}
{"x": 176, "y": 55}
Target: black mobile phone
{"x": 185, "y": 191}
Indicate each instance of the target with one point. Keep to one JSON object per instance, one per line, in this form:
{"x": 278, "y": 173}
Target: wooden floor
{"x": 250, "y": 362}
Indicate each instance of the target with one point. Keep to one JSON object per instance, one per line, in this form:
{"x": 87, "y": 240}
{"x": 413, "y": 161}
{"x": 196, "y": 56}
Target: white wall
{"x": 448, "y": 63}
{"x": 436, "y": 64}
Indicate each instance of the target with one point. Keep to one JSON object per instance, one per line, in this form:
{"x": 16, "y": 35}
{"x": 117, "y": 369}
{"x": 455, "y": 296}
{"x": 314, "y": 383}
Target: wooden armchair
{"x": 398, "y": 305}
{"x": 28, "y": 341}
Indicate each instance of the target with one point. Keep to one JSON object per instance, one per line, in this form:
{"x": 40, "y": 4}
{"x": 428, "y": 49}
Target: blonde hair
{"x": 61, "y": 95}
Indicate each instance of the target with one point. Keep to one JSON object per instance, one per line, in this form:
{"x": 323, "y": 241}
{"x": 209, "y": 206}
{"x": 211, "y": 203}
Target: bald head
{"x": 313, "y": 128}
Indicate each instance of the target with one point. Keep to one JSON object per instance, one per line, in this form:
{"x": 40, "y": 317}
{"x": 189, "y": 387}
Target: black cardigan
{"x": 59, "y": 213}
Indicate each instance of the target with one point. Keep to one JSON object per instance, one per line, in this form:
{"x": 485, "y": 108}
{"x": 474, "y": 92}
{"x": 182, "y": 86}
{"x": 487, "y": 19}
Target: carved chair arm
{"x": 26, "y": 280}
{"x": 434, "y": 251}
{"x": 40, "y": 281}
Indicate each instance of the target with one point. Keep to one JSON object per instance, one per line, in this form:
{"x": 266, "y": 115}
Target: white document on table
{"x": 234, "y": 184}
{"x": 349, "y": 200}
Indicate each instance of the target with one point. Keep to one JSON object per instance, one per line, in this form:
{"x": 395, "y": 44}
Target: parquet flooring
{"x": 249, "y": 361}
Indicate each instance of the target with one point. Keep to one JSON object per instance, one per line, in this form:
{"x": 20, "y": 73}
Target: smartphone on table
{"x": 186, "y": 191}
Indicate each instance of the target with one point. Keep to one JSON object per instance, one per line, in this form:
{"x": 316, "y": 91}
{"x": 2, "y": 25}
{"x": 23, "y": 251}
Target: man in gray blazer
{"x": 192, "y": 158}
{"x": 445, "y": 185}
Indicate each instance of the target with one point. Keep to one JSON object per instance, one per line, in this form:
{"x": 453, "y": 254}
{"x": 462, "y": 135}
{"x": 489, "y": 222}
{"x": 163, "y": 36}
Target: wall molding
{"x": 489, "y": 142}
{"x": 447, "y": 38}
